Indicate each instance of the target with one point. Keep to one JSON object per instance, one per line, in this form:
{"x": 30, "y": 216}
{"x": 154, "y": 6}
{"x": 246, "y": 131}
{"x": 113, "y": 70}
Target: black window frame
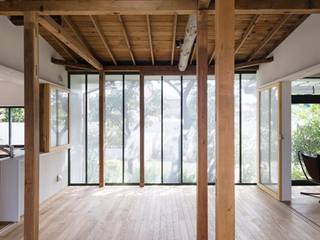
{"x": 240, "y": 180}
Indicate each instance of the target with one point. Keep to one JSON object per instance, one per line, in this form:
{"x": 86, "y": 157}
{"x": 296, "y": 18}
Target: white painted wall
{"x": 11, "y": 94}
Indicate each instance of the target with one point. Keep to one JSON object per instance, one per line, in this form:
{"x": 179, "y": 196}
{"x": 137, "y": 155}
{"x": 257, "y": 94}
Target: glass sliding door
{"x": 153, "y": 129}
{"x": 77, "y": 162}
{"x": 269, "y": 140}
{"x": 172, "y": 129}
{"x": 114, "y": 129}
{"x": 131, "y": 129}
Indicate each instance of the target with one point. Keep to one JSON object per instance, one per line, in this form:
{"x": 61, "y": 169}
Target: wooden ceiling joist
{"x": 174, "y": 33}
{"x": 105, "y": 44}
{"x": 274, "y": 30}
{"x": 154, "y": 7}
{"x": 247, "y": 32}
{"x": 65, "y": 49}
{"x": 51, "y": 26}
{"x": 150, "y": 38}
{"x": 125, "y": 35}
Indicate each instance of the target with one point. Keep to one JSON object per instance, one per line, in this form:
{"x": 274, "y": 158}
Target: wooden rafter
{"x": 155, "y": 7}
{"x": 76, "y": 32}
{"x": 65, "y": 49}
{"x": 174, "y": 33}
{"x": 125, "y": 35}
{"x": 212, "y": 56}
{"x": 150, "y": 38}
{"x": 105, "y": 44}
{"x": 203, "y": 4}
{"x": 275, "y": 29}
{"x": 247, "y": 33}
{"x": 51, "y": 26}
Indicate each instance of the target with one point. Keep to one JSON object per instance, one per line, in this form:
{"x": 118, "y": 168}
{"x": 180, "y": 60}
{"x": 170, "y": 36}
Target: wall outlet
{"x": 59, "y": 178}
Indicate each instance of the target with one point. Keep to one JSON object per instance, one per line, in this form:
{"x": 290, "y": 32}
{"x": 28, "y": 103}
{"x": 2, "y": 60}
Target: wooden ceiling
{"x": 152, "y": 40}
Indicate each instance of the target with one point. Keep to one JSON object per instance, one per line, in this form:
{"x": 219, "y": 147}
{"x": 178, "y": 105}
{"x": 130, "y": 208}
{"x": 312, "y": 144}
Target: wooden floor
{"x": 161, "y": 212}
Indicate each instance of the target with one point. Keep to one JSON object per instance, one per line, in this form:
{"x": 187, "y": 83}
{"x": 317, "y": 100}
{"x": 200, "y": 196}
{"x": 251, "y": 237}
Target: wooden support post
{"x": 101, "y": 127}
{"x": 141, "y": 85}
{"x": 32, "y": 115}
{"x": 224, "y": 72}
{"x": 202, "y": 166}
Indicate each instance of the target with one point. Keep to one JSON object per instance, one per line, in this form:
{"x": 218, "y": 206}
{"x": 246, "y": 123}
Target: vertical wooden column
{"x": 202, "y": 165}
{"x": 224, "y": 72}
{"x": 141, "y": 86}
{"x": 101, "y": 127}
{"x": 31, "y": 103}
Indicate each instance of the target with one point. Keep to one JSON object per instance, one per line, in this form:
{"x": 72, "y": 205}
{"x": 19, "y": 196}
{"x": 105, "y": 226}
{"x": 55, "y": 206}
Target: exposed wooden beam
{"x": 125, "y": 35}
{"x": 247, "y": 33}
{"x": 101, "y": 128}
{"x": 105, "y": 44}
{"x": 150, "y": 38}
{"x": 98, "y": 7}
{"x": 274, "y": 30}
{"x": 212, "y": 56}
{"x": 157, "y": 69}
{"x": 154, "y": 7}
{"x": 174, "y": 33}
{"x": 65, "y": 49}
{"x": 202, "y": 164}
{"x": 253, "y": 63}
{"x": 189, "y": 38}
{"x": 224, "y": 74}
{"x": 51, "y": 26}
{"x": 141, "y": 89}
{"x": 32, "y": 122}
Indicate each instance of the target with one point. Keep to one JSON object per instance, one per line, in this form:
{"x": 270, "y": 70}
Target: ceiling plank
{"x": 174, "y": 33}
{"x": 154, "y": 7}
{"x": 105, "y": 44}
{"x": 269, "y": 36}
{"x": 150, "y": 38}
{"x": 247, "y": 32}
{"x": 125, "y": 35}
{"x": 51, "y": 26}
{"x": 76, "y": 31}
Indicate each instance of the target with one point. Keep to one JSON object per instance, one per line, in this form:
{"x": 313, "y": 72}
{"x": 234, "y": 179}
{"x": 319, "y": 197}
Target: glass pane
{"x": 269, "y": 138}
{"x": 171, "y": 129}
{"x": 4, "y": 126}
{"x": 53, "y": 118}
{"x": 305, "y": 134}
{"x": 62, "y": 121}
{"x": 131, "y": 129}
{"x": 249, "y": 126}
{"x": 114, "y": 126}
{"x": 152, "y": 129}
{"x": 211, "y": 130}
{"x": 17, "y": 126}
{"x": 93, "y": 128}
{"x": 77, "y": 128}
{"x": 189, "y": 129}
{"x": 236, "y": 128}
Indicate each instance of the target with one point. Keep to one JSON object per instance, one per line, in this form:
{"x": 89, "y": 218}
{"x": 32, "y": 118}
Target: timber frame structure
{"x": 145, "y": 36}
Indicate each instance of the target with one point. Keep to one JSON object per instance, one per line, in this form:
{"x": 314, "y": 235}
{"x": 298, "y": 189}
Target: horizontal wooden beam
{"x": 155, "y": 70}
{"x": 153, "y": 7}
{"x": 51, "y": 26}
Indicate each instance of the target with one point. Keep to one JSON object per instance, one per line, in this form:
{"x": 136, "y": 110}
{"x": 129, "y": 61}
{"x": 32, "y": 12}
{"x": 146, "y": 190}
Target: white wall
{"x": 12, "y": 89}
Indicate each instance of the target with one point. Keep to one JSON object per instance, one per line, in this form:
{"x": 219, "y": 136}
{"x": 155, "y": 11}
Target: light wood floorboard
{"x": 161, "y": 212}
